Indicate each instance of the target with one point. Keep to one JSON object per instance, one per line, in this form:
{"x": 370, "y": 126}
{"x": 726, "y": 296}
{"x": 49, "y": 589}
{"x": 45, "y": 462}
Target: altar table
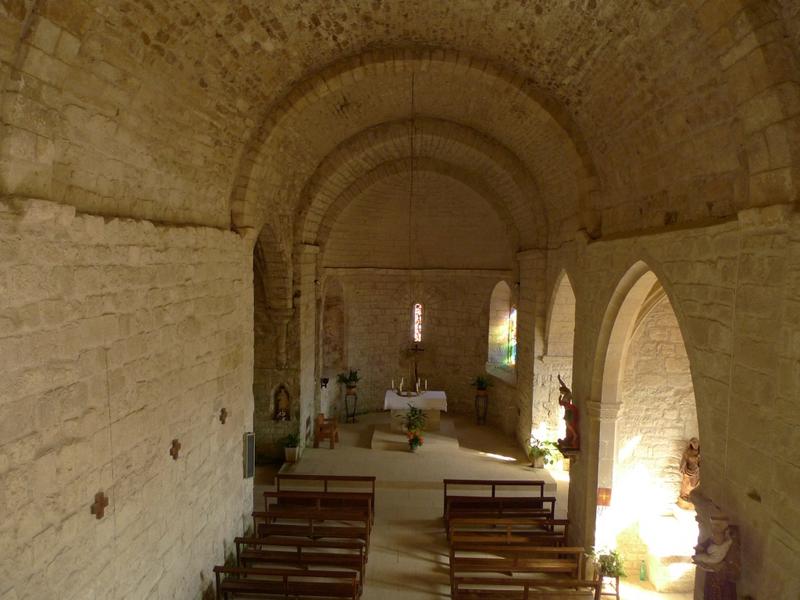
{"x": 432, "y": 402}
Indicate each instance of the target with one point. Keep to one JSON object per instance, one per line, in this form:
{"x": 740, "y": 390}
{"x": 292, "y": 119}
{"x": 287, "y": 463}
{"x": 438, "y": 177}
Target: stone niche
{"x": 276, "y": 416}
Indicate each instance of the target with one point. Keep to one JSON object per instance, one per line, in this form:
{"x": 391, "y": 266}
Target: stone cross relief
{"x": 175, "y": 449}
{"x": 100, "y": 504}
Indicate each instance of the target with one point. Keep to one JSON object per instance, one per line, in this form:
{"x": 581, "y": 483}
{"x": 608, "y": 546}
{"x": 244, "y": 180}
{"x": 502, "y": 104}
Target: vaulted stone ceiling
{"x": 610, "y": 116}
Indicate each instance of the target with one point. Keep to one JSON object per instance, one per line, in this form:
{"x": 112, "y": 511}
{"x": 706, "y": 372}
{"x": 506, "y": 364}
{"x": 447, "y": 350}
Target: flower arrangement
{"x": 414, "y": 423}
{"x": 481, "y": 382}
{"x": 415, "y": 440}
{"x": 610, "y": 563}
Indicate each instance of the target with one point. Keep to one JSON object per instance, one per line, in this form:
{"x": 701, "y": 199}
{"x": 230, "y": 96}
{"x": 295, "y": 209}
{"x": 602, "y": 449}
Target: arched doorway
{"x": 650, "y": 415}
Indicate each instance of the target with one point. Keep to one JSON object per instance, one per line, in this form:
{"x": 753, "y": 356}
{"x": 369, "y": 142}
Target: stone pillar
{"x": 281, "y": 318}
{"x": 306, "y": 303}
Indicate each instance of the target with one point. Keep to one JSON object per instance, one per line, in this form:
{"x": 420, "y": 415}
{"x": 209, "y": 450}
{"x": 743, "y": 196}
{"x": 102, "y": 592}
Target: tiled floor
{"x": 408, "y": 554}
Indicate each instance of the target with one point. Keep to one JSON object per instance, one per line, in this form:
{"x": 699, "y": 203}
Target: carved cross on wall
{"x": 100, "y": 504}
{"x": 175, "y": 449}
{"x": 223, "y": 415}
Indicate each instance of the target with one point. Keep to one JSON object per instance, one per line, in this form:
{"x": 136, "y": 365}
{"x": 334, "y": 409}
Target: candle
{"x": 426, "y": 385}
{"x": 392, "y": 383}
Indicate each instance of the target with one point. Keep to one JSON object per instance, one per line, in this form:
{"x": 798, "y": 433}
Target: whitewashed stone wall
{"x": 117, "y": 337}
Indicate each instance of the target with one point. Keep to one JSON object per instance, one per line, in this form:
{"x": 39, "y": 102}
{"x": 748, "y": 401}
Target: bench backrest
{"x": 292, "y": 481}
{"x": 509, "y": 530}
{"x": 288, "y": 582}
{"x": 492, "y": 487}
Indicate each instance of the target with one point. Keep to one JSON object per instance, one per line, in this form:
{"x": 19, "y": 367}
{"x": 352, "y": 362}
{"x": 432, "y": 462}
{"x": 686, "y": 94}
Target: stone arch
{"x": 260, "y": 176}
{"x": 560, "y": 332}
{"x": 639, "y": 295}
{"x": 435, "y": 139}
{"x": 446, "y": 169}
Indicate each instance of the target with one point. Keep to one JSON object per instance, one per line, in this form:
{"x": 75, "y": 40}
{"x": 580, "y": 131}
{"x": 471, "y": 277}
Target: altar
{"x": 432, "y": 402}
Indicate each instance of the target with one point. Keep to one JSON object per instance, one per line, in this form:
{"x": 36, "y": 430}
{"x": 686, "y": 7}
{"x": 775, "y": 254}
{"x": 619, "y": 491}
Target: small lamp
{"x": 324, "y": 382}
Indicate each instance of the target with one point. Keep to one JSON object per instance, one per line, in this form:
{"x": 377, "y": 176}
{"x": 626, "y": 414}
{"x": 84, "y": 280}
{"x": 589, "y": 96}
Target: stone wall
{"x": 117, "y": 337}
{"x": 733, "y": 287}
{"x": 656, "y": 420}
{"x": 378, "y": 309}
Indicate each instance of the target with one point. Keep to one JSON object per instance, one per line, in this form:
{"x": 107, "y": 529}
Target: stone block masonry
{"x": 116, "y": 337}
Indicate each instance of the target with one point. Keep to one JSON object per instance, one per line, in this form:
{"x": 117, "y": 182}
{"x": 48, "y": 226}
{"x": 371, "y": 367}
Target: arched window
{"x": 416, "y": 321}
{"x": 502, "y": 328}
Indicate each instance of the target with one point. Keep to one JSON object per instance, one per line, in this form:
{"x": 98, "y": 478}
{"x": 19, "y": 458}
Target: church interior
{"x": 400, "y": 299}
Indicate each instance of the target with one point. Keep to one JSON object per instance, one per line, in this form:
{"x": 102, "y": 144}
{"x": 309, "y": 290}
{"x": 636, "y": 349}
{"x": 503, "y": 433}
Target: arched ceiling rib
{"x": 653, "y": 109}
{"x": 419, "y": 165}
{"x": 500, "y": 171}
{"x": 368, "y": 90}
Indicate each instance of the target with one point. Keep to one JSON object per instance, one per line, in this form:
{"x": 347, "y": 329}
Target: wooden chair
{"x": 325, "y": 429}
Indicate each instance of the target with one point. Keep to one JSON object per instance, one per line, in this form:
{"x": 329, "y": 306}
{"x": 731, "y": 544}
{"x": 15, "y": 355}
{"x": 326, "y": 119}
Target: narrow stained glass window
{"x": 511, "y": 349}
{"x": 417, "y": 322}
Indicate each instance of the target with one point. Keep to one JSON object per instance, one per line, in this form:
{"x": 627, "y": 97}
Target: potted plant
{"x": 543, "y": 453}
{"x": 610, "y": 563}
{"x": 349, "y": 379}
{"x": 481, "y": 384}
{"x": 291, "y": 447}
{"x": 414, "y": 423}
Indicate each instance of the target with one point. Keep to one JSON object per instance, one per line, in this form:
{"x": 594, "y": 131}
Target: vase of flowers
{"x": 414, "y": 424}
{"x": 291, "y": 447}
{"x": 543, "y": 453}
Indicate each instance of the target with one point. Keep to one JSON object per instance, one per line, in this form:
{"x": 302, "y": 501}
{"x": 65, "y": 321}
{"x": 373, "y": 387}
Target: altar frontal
{"x": 432, "y": 402}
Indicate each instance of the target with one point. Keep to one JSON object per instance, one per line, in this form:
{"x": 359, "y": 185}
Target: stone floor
{"x": 408, "y": 555}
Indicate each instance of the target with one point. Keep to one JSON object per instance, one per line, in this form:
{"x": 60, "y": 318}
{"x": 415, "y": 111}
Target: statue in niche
{"x": 571, "y": 439}
{"x": 690, "y": 473}
{"x": 719, "y": 552}
{"x": 282, "y": 410}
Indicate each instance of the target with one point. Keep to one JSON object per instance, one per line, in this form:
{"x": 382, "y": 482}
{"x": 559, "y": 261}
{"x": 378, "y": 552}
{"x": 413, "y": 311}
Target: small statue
{"x": 571, "y": 440}
{"x": 718, "y": 556}
{"x": 281, "y": 412}
{"x": 690, "y": 471}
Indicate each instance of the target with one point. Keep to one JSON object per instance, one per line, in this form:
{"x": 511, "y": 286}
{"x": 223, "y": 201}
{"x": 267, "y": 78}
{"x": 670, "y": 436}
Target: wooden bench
{"x": 514, "y": 506}
{"x": 286, "y": 502}
{"x": 528, "y": 492}
{"x": 530, "y": 571}
{"x": 509, "y": 531}
{"x": 523, "y": 588}
{"x": 364, "y": 484}
{"x": 330, "y": 523}
{"x": 285, "y": 583}
{"x": 303, "y": 553}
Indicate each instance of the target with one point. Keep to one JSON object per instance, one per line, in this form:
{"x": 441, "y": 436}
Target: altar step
{"x": 383, "y": 438}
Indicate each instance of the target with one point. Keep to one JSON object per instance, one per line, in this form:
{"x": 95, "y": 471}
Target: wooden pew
{"x": 484, "y": 488}
{"x": 301, "y": 553}
{"x": 364, "y": 484}
{"x": 511, "y": 507}
{"x": 476, "y": 569}
{"x": 509, "y": 531}
{"x": 523, "y": 588}
{"x": 285, "y": 583}
{"x": 290, "y": 504}
{"x": 329, "y": 523}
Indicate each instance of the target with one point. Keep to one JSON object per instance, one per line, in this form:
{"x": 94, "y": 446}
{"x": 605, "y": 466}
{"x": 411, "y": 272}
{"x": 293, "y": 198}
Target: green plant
{"x": 349, "y": 378}
{"x": 291, "y": 441}
{"x": 544, "y": 449}
{"x": 481, "y": 382}
{"x": 611, "y": 563}
{"x": 414, "y": 419}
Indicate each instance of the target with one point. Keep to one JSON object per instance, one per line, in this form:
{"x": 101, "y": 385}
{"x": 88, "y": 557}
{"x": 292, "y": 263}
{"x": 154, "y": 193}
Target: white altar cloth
{"x": 430, "y": 400}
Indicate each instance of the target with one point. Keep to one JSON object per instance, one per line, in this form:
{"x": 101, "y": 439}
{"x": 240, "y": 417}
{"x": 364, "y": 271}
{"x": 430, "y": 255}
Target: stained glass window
{"x": 511, "y": 348}
{"x": 417, "y": 322}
